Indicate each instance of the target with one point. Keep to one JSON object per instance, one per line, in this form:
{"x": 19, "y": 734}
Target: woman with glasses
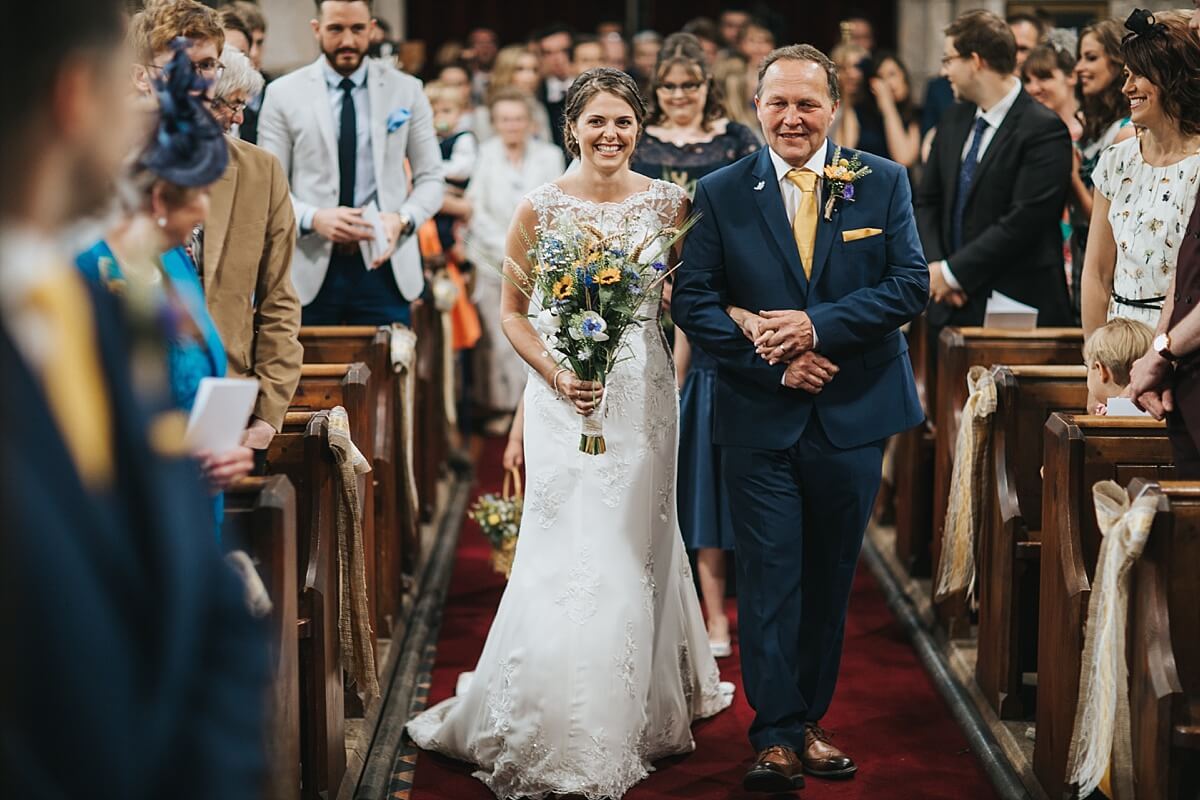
{"x": 1146, "y": 186}
{"x": 688, "y": 135}
{"x": 150, "y": 255}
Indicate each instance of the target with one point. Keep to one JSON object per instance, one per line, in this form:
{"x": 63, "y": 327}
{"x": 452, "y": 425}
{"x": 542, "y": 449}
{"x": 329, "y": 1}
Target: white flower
{"x": 590, "y": 326}
{"x": 548, "y": 323}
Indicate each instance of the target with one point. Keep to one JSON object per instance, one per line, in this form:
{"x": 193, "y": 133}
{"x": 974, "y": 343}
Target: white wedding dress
{"x": 597, "y": 661}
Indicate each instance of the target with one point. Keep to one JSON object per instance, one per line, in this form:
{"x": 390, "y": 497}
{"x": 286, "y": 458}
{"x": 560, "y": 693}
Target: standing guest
{"x": 646, "y": 45}
{"x": 510, "y": 165}
{"x": 616, "y": 50}
{"x": 587, "y": 53}
{"x": 113, "y": 591}
{"x": 754, "y": 43}
{"x": 1028, "y": 32}
{"x": 519, "y": 68}
{"x": 730, "y": 74}
{"x": 705, "y": 30}
{"x": 687, "y": 137}
{"x": 730, "y": 25}
{"x": 345, "y": 153}
{"x": 860, "y": 32}
{"x": 1048, "y": 75}
{"x": 887, "y": 114}
{"x": 994, "y": 188}
{"x": 1104, "y": 108}
{"x": 554, "y": 47}
{"x": 1146, "y": 186}
{"x": 482, "y": 48}
{"x": 849, "y": 59}
{"x": 155, "y": 242}
{"x": 247, "y": 243}
{"x": 456, "y": 76}
{"x": 245, "y": 20}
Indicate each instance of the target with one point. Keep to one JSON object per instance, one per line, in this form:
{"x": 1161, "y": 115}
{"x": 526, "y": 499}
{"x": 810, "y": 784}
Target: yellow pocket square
{"x": 860, "y": 233}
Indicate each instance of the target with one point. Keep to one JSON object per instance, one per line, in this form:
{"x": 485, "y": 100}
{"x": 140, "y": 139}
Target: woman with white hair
{"x": 238, "y": 83}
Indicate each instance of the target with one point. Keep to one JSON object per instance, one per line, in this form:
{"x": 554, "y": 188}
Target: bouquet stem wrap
{"x": 591, "y": 434}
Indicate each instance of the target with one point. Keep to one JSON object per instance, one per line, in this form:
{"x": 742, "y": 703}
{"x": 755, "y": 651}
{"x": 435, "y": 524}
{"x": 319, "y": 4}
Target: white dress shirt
{"x": 994, "y": 117}
{"x": 791, "y": 192}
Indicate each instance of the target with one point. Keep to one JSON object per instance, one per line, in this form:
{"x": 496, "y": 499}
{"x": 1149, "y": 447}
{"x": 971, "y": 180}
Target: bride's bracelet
{"x": 554, "y": 382}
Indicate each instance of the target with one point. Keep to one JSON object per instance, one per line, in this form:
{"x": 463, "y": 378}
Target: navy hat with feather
{"x": 188, "y": 147}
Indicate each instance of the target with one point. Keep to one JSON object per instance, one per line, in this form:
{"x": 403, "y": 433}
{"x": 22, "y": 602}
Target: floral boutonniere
{"x": 840, "y": 174}
{"x": 397, "y": 118}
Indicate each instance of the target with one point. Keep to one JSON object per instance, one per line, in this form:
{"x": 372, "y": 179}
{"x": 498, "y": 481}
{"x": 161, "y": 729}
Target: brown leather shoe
{"x": 822, "y": 759}
{"x": 777, "y": 769}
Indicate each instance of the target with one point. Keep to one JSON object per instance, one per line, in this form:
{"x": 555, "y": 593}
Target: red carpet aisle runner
{"x": 886, "y": 713}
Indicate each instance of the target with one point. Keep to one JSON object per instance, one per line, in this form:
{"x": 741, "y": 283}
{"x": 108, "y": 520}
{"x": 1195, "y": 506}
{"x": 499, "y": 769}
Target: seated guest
{"x": 151, "y": 247}
{"x": 991, "y": 199}
{"x": 1145, "y": 186}
{"x": 1109, "y": 354}
{"x": 130, "y": 667}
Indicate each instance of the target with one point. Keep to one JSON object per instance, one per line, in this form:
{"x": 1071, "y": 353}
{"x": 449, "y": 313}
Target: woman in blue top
{"x": 148, "y": 255}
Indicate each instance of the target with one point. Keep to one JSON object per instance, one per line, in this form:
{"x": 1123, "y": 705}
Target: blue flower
{"x": 590, "y": 325}
{"x": 397, "y": 118}
{"x": 848, "y": 191}
{"x": 658, "y": 266}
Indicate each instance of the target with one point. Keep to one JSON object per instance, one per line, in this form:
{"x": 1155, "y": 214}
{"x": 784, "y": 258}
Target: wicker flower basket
{"x": 499, "y": 517}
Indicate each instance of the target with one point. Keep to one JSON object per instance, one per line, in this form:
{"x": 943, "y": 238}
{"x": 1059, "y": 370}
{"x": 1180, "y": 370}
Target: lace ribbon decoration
{"x": 968, "y": 483}
{"x": 404, "y": 359}
{"x": 354, "y": 621}
{"x": 445, "y": 295}
{"x": 1102, "y": 730}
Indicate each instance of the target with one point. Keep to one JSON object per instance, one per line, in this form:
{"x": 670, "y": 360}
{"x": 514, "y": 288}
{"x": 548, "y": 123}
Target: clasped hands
{"x": 787, "y": 337}
{"x": 940, "y": 290}
{"x": 1150, "y": 385}
{"x": 343, "y": 225}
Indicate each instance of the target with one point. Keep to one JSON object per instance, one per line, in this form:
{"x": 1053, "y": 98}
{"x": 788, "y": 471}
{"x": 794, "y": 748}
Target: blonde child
{"x": 1109, "y": 353}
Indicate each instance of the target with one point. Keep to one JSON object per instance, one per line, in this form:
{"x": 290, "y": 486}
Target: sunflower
{"x": 608, "y": 276}
{"x": 563, "y": 287}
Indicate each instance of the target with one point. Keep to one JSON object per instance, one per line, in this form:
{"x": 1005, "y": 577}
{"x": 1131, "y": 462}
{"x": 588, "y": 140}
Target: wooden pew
{"x": 260, "y": 518}
{"x": 395, "y": 557}
{"x": 321, "y": 388}
{"x": 959, "y": 349}
{"x": 430, "y": 434}
{"x": 914, "y": 460}
{"x": 1008, "y": 550}
{"x": 1079, "y": 451}
{"x": 1164, "y": 643}
{"x": 301, "y": 452}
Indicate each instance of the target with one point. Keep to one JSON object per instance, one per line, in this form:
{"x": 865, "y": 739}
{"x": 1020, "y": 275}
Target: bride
{"x": 598, "y": 660}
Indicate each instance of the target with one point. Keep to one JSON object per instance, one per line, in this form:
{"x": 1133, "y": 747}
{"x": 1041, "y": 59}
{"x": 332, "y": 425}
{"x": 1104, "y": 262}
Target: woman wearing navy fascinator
{"x": 153, "y": 252}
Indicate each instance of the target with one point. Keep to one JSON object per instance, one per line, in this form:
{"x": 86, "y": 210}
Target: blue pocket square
{"x": 397, "y": 118}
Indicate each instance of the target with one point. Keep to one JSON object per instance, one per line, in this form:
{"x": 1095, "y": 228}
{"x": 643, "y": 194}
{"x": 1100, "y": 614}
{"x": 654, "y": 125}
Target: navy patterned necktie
{"x": 347, "y": 144}
{"x": 966, "y": 176}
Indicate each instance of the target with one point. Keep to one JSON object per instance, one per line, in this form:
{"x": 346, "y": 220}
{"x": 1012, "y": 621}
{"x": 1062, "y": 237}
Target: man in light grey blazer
{"x": 343, "y": 127}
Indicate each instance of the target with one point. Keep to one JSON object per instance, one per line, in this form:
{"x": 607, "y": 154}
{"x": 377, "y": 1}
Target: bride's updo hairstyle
{"x": 588, "y": 85}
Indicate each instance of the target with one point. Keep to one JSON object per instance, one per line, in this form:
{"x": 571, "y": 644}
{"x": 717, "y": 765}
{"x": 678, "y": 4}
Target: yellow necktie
{"x": 804, "y": 227}
{"x": 72, "y": 376}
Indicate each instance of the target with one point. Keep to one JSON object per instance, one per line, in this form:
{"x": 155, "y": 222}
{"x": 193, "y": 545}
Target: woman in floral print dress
{"x": 1146, "y": 186}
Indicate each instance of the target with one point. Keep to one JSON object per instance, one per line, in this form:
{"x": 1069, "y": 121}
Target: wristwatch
{"x": 406, "y": 225}
{"x": 1162, "y": 346}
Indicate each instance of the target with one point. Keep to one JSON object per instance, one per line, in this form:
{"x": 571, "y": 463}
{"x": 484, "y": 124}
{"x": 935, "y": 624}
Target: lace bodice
{"x": 651, "y": 209}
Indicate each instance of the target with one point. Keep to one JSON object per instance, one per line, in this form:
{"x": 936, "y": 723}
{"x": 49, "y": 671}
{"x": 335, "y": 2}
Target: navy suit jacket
{"x": 742, "y": 252}
{"x": 129, "y": 666}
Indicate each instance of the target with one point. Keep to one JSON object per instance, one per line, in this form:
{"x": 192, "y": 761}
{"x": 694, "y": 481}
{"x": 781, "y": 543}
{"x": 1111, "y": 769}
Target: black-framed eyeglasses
{"x": 947, "y": 59}
{"x": 210, "y": 68}
{"x": 690, "y": 87}
{"x": 233, "y": 108}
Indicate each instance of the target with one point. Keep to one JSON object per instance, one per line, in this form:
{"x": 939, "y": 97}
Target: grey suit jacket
{"x": 297, "y": 126}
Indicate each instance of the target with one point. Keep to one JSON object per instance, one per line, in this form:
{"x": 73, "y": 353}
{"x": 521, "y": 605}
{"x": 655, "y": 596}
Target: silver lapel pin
{"x": 758, "y": 187}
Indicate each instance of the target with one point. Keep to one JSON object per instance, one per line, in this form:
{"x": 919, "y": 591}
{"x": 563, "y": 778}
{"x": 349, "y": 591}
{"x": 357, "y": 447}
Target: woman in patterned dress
{"x": 1146, "y": 186}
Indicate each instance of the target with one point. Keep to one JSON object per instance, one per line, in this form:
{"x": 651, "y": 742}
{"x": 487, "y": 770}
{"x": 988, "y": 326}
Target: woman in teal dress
{"x": 148, "y": 254}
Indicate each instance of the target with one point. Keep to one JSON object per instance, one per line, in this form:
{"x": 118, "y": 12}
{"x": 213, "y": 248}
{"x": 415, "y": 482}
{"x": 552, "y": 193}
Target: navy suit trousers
{"x": 799, "y": 516}
{"x": 353, "y": 295}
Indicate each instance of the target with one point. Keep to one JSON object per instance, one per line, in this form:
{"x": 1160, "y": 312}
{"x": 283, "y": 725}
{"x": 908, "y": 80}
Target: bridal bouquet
{"x": 588, "y": 288}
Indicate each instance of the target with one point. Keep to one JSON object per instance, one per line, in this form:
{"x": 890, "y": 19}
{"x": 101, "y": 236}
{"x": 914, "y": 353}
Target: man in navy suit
{"x": 129, "y": 666}
{"x": 801, "y": 298}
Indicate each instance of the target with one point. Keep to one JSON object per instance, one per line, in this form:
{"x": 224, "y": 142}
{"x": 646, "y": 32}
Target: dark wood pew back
{"x": 372, "y": 346}
{"x": 260, "y": 518}
{"x": 1164, "y": 646}
{"x": 1079, "y": 452}
{"x": 1009, "y": 540}
{"x": 301, "y": 452}
{"x": 430, "y": 433}
{"x": 959, "y": 349}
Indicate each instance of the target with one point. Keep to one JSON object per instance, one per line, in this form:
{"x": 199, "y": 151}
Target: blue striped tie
{"x": 966, "y": 176}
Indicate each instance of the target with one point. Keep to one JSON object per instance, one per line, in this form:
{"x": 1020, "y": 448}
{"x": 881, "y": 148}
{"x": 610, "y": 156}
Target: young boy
{"x": 1109, "y": 353}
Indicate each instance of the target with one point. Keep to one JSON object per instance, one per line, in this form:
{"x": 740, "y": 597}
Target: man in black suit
{"x": 555, "y": 45}
{"x": 129, "y": 666}
{"x": 990, "y": 203}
